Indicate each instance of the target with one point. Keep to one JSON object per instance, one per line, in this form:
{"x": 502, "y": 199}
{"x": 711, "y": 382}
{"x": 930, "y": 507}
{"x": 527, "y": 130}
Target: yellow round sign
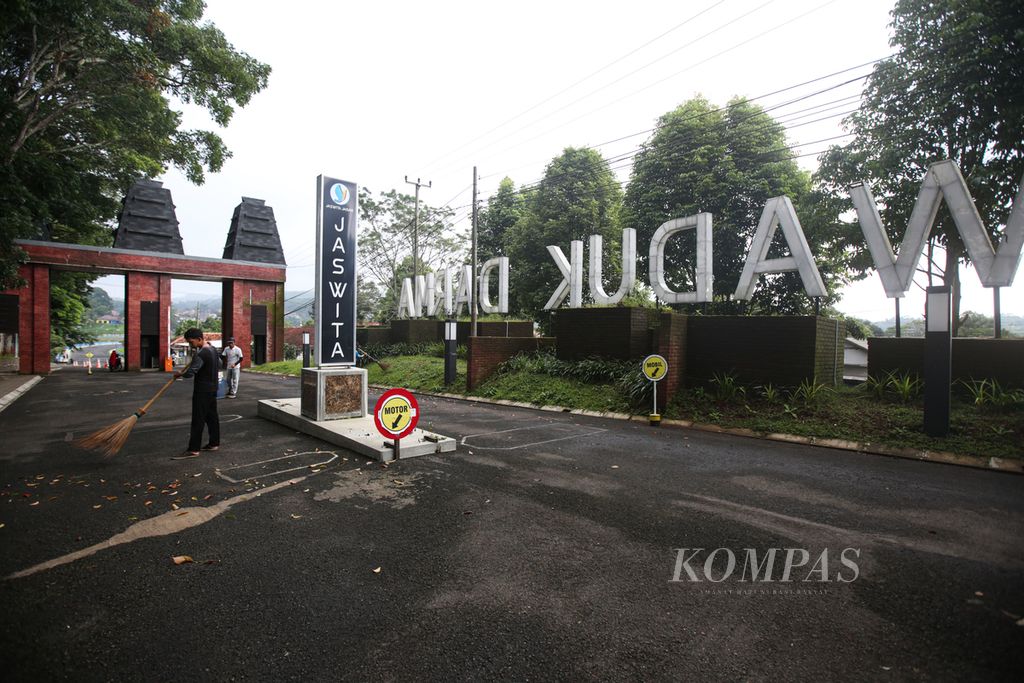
{"x": 655, "y": 367}
{"x": 396, "y": 414}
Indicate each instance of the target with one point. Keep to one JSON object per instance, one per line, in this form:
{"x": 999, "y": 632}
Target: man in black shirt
{"x": 203, "y": 368}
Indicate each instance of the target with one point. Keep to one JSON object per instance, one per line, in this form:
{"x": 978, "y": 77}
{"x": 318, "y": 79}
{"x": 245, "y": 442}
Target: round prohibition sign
{"x": 655, "y": 367}
{"x": 396, "y": 413}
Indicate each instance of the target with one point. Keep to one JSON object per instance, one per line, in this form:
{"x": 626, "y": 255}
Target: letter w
{"x": 942, "y": 181}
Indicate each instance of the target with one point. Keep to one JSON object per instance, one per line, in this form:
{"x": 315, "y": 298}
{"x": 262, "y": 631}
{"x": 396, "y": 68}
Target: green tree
{"x": 952, "y": 91}
{"x": 577, "y": 197}
{"x": 99, "y": 301}
{"x": 504, "y": 209}
{"x": 367, "y": 301}
{"x": 728, "y": 161}
{"x": 211, "y": 324}
{"x": 386, "y": 236}
{"x": 85, "y": 108}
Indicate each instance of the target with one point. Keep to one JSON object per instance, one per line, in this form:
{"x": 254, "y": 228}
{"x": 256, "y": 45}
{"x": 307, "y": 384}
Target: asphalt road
{"x": 545, "y": 548}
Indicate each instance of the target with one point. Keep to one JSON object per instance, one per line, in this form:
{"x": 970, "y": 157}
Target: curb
{"x": 942, "y": 457}
{"x": 13, "y": 396}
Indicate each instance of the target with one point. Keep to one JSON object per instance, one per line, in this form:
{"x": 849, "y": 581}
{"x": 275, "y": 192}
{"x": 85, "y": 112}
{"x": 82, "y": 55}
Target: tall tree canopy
{"x": 503, "y": 210}
{"x": 954, "y": 90}
{"x": 577, "y": 197}
{"x": 727, "y": 161}
{"x": 85, "y": 106}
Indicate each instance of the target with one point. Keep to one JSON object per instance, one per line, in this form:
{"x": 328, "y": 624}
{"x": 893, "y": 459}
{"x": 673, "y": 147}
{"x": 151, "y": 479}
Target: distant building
{"x": 855, "y": 360}
{"x": 109, "y": 319}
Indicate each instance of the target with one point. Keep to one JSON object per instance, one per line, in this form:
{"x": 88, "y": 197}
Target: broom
{"x": 382, "y": 365}
{"x": 110, "y": 439}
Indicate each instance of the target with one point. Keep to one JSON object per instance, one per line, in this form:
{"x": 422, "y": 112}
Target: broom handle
{"x": 143, "y": 409}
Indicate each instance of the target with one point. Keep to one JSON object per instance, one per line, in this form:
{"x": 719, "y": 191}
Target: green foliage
{"x": 386, "y": 226}
{"x": 989, "y": 393}
{"x": 577, "y": 197}
{"x": 770, "y": 393}
{"x": 726, "y": 388}
{"x": 504, "y": 209}
{"x": 84, "y": 107}
{"x": 728, "y": 161}
{"x": 68, "y": 294}
{"x": 810, "y": 392}
{"x": 211, "y": 324}
{"x": 905, "y": 386}
{"x": 952, "y": 91}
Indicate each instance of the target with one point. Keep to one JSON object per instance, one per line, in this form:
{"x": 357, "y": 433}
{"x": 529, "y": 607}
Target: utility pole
{"x": 473, "y": 289}
{"x": 416, "y": 228}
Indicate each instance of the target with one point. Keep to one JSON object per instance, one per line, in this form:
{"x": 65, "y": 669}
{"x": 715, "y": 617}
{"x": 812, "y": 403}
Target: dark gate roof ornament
{"x": 253, "y": 235}
{"x": 147, "y": 221}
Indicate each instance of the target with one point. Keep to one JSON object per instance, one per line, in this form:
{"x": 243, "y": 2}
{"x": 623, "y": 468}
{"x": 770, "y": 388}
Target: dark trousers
{"x": 204, "y": 413}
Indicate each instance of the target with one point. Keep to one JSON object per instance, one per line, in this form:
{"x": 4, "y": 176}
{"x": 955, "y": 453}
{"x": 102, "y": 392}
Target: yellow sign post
{"x": 655, "y": 368}
{"x": 88, "y": 362}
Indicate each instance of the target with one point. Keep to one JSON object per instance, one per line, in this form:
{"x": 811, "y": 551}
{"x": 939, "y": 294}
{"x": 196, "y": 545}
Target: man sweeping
{"x": 204, "y": 368}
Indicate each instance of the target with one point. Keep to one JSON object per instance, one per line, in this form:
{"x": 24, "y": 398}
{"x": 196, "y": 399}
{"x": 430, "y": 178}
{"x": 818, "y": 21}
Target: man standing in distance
{"x": 203, "y": 368}
{"x": 232, "y": 356}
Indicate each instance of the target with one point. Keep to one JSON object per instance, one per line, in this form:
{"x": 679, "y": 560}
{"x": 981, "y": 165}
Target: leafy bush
{"x": 810, "y": 392}
{"x": 988, "y": 392}
{"x": 905, "y": 386}
{"x": 727, "y": 388}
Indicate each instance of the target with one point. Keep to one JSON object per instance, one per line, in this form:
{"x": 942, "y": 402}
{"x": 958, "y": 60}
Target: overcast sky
{"x": 375, "y": 91}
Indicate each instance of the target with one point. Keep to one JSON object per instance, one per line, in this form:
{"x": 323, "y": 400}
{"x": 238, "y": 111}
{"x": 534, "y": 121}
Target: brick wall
{"x": 429, "y": 330}
{"x": 998, "y": 359}
{"x": 487, "y": 353}
{"x": 236, "y": 311}
{"x": 782, "y": 350}
{"x": 614, "y": 332}
{"x": 672, "y": 337}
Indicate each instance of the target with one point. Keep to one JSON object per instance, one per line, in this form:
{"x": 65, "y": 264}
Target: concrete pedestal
{"x": 333, "y": 393}
{"x": 356, "y": 433}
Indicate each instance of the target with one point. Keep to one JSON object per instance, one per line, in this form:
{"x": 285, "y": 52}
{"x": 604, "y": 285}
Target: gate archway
{"x": 147, "y": 251}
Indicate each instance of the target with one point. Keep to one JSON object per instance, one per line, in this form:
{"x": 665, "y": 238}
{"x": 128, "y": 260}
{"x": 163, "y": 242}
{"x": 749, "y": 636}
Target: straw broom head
{"x": 110, "y": 439}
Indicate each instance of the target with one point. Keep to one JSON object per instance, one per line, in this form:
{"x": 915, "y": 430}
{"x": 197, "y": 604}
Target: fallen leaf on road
{"x": 183, "y": 512}
{"x": 2, "y": 525}
{"x": 43, "y": 476}
{"x": 615, "y": 467}
{"x": 148, "y": 502}
{"x": 296, "y": 516}
{"x": 979, "y": 594}
{"x": 377, "y": 570}
{"x": 96, "y": 507}
{"x": 111, "y": 498}
{"x": 174, "y": 506}
{"x": 181, "y": 559}
{"x": 208, "y": 496}
{"x": 33, "y": 504}
{"x": 198, "y": 474}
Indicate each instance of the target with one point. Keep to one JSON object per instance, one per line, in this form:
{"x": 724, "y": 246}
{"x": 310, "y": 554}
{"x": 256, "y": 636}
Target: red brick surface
{"x": 487, "y": 353}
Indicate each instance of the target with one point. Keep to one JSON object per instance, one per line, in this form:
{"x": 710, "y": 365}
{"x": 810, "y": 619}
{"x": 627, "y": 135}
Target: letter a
{"x": 779, "y": 210}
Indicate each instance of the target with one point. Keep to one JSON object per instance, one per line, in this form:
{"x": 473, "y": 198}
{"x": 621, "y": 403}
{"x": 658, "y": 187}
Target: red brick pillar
{"x": 139, "y": 287}
{"x": 34, "y": 320}
{"x": 236, "y": 308}
{"x": 166, "y": 333}
{"x": 672, "y": 346}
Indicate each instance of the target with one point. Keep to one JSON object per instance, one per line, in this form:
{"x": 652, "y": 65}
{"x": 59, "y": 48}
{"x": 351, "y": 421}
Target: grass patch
{"x": 855, "y": 414}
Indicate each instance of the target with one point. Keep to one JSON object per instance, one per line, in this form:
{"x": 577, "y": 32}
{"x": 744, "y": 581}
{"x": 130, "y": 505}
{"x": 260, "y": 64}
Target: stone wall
{"x": 615, "y": 332}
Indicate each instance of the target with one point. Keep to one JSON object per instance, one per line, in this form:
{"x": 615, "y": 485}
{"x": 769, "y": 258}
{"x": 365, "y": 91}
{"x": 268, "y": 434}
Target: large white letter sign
{"x": 406, "y": 300}
{"x": 942, "y": 181}
{"x": 499, "y": 263}
{"x": 572, "y": 276}
{"x": 705, "y": 268}
{"x": 628, "y": 268}
{"x": 465, "y": 292}
{"x": 779, "y": 210}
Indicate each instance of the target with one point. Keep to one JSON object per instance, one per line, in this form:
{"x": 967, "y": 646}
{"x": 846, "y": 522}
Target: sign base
{"x": 333, "y": 393}
{"x": 357, "y": 434}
